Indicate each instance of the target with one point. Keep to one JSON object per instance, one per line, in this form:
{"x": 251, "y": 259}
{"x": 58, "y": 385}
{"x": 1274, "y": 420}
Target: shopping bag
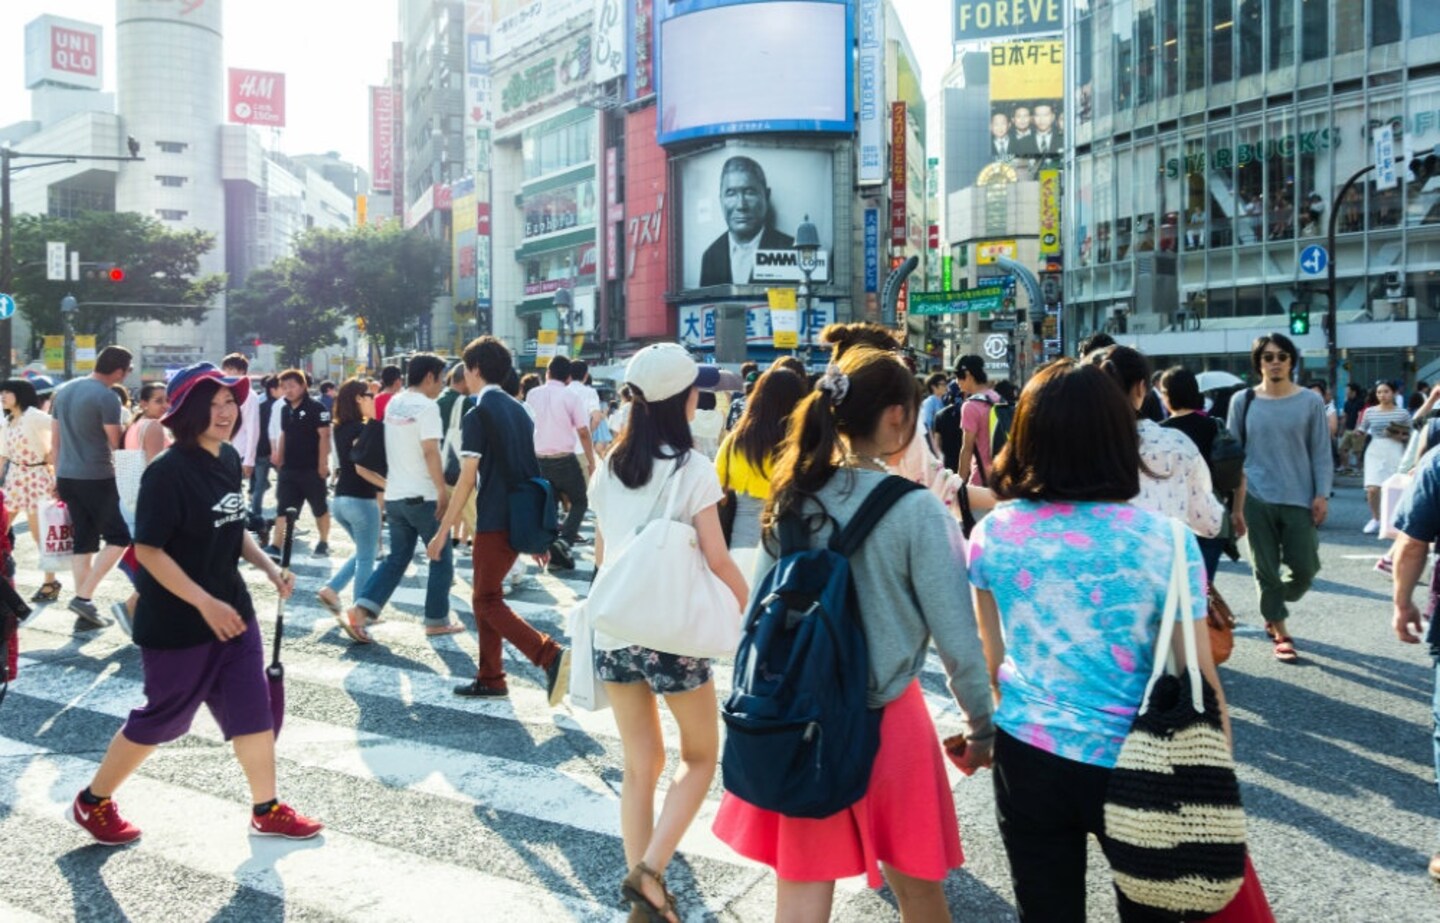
{"x": 1250, "y": 905}
{"x": 57, "y": 540}
{"x": 1390, "y": 493}
{"x": 587, "y": 692}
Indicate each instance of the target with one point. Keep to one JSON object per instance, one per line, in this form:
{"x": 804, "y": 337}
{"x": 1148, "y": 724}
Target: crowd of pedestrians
{"x": 1027, "y": 539}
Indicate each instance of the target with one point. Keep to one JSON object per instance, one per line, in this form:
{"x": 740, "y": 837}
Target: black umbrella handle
{"x": 276, "y": 670}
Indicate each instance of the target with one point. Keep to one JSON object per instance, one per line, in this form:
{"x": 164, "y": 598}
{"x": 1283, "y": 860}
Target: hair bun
{"x": 843, "y": 337}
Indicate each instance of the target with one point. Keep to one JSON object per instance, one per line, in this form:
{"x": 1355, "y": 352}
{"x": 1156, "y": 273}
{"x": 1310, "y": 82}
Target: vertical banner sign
{"x": 641, "y": 48}
{"x": 55, "y": 261}
{"x": 257, "y": 98}
{"x": 784, "y": 318}
{"x": 382, "y": 139}
{"x": 947, "y": 274}
{"x": 872, "y": 94}
{"x": 899, "y": 217}
{"x": 1049, "y": 212}
{"x": 397, "y": 127}
{"x": 872, "y": 249}
{"x": 609, "y": 41}
{"x": 1385, "y": 159}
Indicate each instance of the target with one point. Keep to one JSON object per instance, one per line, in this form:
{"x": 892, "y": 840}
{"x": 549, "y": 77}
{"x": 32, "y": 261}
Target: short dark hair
{"x": 559, "y": 369}
{"x": 292, "y": 375}
{"x": 422, "y": 366}
{"x": 192, "y": 418}
{"x": 1125, "y": 365}
{"x": 489, "y": 358}
{"x": 270, "y": 383}
{"x": 236, "y": 361}
{"x": 113, "y": 359}
{"x": 511, "y": 384}
{"x": 936, "y": 380}
{"x": 529, "y": 383}
{"x": 327, "y": 386}
{"x": 150, "y": 389}
{"x": 1182, "y": 390}
{"x": 1074, "y": 438}
{"x": 389, "y": 375}
{"x": 457, "y": 373}
{"x": 971, "y": 365}
{"x": 579, "y": 369}
{"x": 1278, "y": 340}
{"x": 1093, "y": 342}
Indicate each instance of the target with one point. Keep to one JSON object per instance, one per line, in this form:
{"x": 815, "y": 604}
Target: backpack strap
{"x": 1243, "y": 414}
{"x": 885, "y": 495}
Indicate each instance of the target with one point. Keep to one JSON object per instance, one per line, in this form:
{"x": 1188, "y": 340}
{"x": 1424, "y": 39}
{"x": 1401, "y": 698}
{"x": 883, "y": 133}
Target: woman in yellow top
{"x": 748, "y": 453}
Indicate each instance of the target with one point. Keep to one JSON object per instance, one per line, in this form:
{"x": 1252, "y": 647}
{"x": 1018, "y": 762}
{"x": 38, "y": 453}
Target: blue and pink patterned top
{"x": 1080, "y": 588}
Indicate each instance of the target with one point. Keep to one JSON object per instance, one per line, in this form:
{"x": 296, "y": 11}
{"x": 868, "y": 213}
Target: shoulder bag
{"x": 656, "y": 589}
{"x": 1172, "y": 806}
{"x": 534, "y": 525}
{"x": 729, "y": 502}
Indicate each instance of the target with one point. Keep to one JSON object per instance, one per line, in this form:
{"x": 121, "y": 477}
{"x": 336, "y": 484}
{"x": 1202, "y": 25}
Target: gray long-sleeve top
{"x": 912, "y": 587}
{"x": 1287, "y": 446}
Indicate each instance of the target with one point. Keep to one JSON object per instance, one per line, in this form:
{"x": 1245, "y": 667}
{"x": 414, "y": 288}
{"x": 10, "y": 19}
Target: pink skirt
{"x": 906, "y": 819}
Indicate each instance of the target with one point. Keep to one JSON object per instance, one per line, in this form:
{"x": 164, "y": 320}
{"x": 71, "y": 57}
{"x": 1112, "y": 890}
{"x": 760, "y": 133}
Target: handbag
{"x": 587, "y": 692}
{"x": 1221, "y": 622}
{"x": 1172, "y": 806}
{"x": 657, "y": 591}
{"x": 727, "y": 507}
{"x": 1250, "y": 905}
{"x": 57, "y": 539}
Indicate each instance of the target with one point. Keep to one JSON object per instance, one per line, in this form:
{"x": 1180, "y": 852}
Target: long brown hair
{"x": 347, "y": 402}
{"x": 655, "y": 430}
{"x": 815, "y": 443}
{"x": 766, "y": 417}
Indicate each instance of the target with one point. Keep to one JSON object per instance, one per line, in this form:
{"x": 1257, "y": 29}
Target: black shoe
{"x": 560, "y": 556}
{"x": 86, "y": 613}
{"x": 557, "y": 677}
{"x": 578, "y": 540}
{"x": 322, "y": 550}
{"x": 477, "y": 690}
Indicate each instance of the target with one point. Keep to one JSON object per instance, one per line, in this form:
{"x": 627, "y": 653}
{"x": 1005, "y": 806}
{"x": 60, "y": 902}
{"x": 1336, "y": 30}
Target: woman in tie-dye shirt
{"x": 1070, "y": 581}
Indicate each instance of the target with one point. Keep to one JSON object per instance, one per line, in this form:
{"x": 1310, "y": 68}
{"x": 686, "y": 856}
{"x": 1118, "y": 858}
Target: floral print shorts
{"x": 667, "y": 674}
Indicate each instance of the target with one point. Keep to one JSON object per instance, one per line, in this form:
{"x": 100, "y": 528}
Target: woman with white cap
{"x": 656, "y": 450}
{"x": 195, "y": 624}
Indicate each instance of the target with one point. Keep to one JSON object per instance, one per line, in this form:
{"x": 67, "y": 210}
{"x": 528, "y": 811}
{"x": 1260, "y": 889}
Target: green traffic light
{"x": 1299, "y": 322}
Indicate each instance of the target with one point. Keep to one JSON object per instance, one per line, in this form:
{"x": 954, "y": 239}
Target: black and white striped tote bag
{"x": 1173, "y": 803}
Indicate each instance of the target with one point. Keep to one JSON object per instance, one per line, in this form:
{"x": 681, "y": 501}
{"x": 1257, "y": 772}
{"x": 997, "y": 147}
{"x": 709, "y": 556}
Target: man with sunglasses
{"x": 1288, "y": 476}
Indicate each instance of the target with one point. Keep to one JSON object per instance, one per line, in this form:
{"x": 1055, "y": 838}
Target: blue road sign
{"x": 7, "y": 306}
{"x": 1314, "y": 260}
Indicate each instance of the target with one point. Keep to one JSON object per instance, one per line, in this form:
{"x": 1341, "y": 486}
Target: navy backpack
{"x": 800, "y": 739}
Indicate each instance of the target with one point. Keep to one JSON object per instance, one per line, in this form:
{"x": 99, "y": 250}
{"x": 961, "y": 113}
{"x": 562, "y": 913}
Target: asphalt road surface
{"x": 439, "y": 808}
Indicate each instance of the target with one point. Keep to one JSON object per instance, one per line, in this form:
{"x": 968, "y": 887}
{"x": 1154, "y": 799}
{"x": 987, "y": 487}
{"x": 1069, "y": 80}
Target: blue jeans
{"x": 360, "y": 518}
{"x": 259, "y": 484}
{"x": 409, "y": 522}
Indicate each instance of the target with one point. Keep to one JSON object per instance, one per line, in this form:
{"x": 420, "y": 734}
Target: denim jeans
{"x": 410, "y": 522}
{"x": 259, "y": 484}
{"x": 360, "y": 518}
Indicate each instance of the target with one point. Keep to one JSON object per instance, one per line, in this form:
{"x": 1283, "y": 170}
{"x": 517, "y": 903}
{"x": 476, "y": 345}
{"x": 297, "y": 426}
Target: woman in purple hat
{"x": 195, "y": 624}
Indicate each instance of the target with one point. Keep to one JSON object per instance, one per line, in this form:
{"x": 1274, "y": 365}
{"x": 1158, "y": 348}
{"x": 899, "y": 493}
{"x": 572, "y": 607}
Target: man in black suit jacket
{"x": 745, "y": 199}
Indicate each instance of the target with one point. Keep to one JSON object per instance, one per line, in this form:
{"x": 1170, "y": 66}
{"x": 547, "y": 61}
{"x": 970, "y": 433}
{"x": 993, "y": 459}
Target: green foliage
{"x": 391, "y": 278}
{"x": 269, "y": 307}
{"x": 161, "y": 268}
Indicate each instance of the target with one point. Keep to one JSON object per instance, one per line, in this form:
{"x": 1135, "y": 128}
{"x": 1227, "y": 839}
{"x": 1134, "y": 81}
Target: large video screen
{"x": 776, "y": 65}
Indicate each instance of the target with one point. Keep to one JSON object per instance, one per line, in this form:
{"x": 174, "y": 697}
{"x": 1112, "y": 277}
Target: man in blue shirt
{"x": 1418, "y": 521}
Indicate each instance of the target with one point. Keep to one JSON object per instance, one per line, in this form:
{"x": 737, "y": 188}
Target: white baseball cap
{"x": 663, "y": 370}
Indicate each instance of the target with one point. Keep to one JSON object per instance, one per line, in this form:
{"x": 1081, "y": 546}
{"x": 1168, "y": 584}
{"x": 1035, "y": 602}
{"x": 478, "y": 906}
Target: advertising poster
{"x": 899, "y": 177}
{"x": 514, "y": 23}
{"x": 871, "y": 166}
{"x": 641, "y": 49}
{"x": 1027, "y": 86}
{"x": 697, "y": 323}
{"x": 1049, "y": 212}
{"x": 382, "y": 139}
{"x": 257, "y": 98}
{"x": 990, "y": 19}
{"x": 742, "y": 202}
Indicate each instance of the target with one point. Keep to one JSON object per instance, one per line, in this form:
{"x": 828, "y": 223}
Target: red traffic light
{"x": 117, "y": 274}
{"x": 256, "y": 342}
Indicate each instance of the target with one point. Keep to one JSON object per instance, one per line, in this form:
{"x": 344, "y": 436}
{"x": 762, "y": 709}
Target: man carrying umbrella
{"x": 194, "y": 623}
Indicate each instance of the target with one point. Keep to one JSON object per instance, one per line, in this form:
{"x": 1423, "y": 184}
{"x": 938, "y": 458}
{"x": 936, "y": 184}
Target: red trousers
{"x": 496, "y": 621}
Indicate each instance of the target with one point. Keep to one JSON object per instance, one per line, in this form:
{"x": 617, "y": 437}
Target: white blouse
{"x": 1175, "y": 481}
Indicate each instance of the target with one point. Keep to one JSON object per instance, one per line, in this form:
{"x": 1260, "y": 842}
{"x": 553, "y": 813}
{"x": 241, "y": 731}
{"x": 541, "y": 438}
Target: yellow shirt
{"x": 737, "y": 474}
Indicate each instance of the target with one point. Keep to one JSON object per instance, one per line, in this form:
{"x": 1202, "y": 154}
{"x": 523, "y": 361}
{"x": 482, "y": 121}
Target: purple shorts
{"x": 228, "y": 677}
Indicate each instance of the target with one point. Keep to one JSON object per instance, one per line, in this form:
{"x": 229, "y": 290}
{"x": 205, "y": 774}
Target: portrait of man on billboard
{"x": 1047, "y": 136}
{"x": 745, "y": 203}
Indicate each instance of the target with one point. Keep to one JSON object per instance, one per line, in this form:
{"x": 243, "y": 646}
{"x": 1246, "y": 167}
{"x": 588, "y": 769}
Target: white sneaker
{"x": 1372, "y": 527}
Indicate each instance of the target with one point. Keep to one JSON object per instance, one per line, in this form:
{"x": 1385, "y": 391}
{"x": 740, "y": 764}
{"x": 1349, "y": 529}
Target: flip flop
{"x": 334, "y": 607}
{"x": 1285, "y": 649}
{"x": 356, "y": 632}
{"x": 437, "y": 631}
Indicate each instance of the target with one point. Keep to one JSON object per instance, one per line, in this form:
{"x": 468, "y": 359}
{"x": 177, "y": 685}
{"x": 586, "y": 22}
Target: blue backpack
{"x": 800, "y": 739}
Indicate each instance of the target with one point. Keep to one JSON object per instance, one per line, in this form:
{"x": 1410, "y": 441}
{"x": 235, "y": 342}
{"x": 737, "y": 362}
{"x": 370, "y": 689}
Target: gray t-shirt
{"x": 911, "y": 581}
{"x": 1287, "y": 446}
{"x": 81, "y": 409}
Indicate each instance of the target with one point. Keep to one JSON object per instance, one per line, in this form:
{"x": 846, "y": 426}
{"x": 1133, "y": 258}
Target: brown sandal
{"x": 633, "y": 893}
{"x": 1285, "y": 649}
{"x": 49, "y": 592}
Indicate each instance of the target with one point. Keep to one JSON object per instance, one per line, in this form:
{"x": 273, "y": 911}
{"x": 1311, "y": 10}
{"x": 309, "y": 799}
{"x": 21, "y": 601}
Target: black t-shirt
{"x": 1201, "y": 429}
{"x": 301, "y": 426}
{"x": 349, "y": 483}
{"x": 192, "y": 506}
{"x": 947, "y": 427}
{"x": 262, "y": 446}
{"x": 507, "y": 463}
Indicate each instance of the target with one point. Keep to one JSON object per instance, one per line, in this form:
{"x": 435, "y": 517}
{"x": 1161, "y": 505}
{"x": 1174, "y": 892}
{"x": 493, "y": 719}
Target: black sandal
{"x": 640, "y": 905}
{"x": 49, "y": 592}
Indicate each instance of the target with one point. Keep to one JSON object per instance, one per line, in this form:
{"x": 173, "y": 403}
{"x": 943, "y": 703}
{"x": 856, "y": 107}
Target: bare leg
{"x": 920, "y": 901}
{"x": 803, "y": 901}
{"x": 699, "y": 754}
{"x": 638, "y": 718}
{"x": 256, "y": 753}
{"x": 32, "y": 519}
{"x": 121, "y": 760}
{"x": 1372, "y": 497}
{"x": 105, "y": 560}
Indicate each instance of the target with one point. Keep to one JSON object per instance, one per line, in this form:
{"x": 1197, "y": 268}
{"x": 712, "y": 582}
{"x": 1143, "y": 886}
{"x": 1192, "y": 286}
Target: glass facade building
{"x": 1209, "y": 140}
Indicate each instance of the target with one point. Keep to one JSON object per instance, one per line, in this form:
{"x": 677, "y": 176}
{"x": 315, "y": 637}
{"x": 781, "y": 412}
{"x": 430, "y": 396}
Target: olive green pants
{"x": 1281, "y": 535}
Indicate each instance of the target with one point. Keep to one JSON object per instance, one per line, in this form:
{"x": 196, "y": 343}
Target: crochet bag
{"x": 1172, "y": 807}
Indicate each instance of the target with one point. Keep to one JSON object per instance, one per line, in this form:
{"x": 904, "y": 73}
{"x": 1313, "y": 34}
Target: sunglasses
{"x": 1274, "y": 357}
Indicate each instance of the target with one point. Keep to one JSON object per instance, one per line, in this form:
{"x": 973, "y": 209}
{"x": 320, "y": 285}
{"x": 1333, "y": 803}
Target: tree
{"x": 161, "y": 267}
{"x": 270, "y": 307}
{"x": 391, "y": 278}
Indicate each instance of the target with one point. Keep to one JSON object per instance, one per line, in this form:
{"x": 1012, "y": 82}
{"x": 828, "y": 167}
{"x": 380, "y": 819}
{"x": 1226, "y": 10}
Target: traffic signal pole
{"x": 1332, "y": 333}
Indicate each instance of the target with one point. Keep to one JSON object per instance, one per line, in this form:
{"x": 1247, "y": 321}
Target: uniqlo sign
{"x": 257, "y": 98}
{"x": 65, "y": 52}
{"x": 74, "y": 52}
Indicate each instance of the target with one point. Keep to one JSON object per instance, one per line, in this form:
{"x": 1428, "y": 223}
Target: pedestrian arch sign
{"x": 7, "y": 306}
{"x": 1314, "y": 260}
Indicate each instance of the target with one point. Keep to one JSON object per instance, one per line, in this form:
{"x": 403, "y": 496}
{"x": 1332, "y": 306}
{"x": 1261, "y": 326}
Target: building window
{"x": 1194, "y": 33}
{"x": 1169, "y": 47}
{"x": 1384, "y": 21}
{"x": 64, "y": 202}
{"x": 171, "y": 214}
{"x": 550, "y": 149}
{"x": 174, "y": 181}
{"x": 1222, "y": 37}
{"x": 1248, "y": 19}
{"x": 1314, "y": 30}
{"x": 172, "y": 147}
{"x": 1349, "y": 25}
{"x": 1424, "y": 18}
{"x": 1282, "y": 34}
{"x": 1084, "y": 62}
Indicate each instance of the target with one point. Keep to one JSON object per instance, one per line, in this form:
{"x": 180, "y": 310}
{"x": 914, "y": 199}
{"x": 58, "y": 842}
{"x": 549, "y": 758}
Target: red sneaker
{"x": 103, "y": 822}
{"x": 283, "y": 821}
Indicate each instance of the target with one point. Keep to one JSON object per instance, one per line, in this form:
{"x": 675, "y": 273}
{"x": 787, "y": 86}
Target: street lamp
{"x": 68, "y": 306}
{"x": 807, "y": 256}
{"x": 564, "y": 302}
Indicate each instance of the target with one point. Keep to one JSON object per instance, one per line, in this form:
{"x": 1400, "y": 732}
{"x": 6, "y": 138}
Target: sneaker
{"x": 122, "y": 618}
{"x": 1372, "y": 527}
{"x": 560, "y": 555}
{"x": 103, "y": 822}
{"x": 557, "y": 677}
{"x": 478, "y": 690}
{"x": 281, "y": 820}
{"x": 322, "y": 550}
{"x": 273, "y": 553}
{"x": 87, "y": 612}
{"x": 578, "y": 540}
